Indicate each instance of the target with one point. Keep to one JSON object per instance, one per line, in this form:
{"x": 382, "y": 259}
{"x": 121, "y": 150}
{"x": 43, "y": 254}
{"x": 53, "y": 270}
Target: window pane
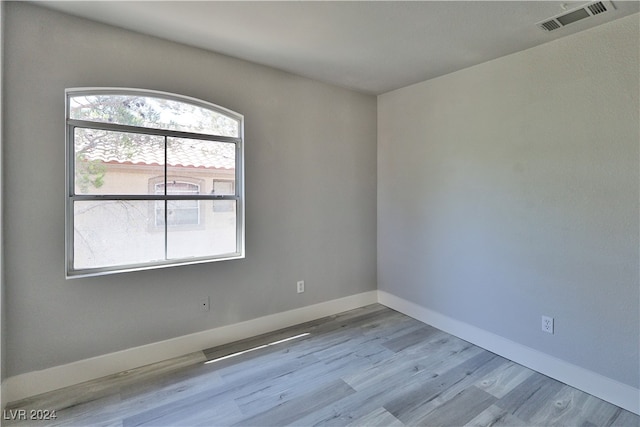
{"x": 216, "y": 234}
{"x": 109, "y": 162}
{"x": 202, "y": 161}
{"x": 109, "y": 233}
{"x": 224, "y": 187}
{"x": 178, "y": 187}
{"x": 182, "y": 212}
{"x": 179, "y": 212}
{"x": 152, "y": 112}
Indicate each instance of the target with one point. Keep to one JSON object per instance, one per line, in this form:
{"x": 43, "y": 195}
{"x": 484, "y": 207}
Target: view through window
{"x": 154, "y": 179}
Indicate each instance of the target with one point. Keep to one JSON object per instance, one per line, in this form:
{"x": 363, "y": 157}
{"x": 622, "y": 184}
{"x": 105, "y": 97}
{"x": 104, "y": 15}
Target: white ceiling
{"x": 369, "y": 46}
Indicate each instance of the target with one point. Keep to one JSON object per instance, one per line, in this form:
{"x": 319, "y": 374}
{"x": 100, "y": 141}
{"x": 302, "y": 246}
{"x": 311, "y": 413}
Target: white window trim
{"x": 71, "y": 197}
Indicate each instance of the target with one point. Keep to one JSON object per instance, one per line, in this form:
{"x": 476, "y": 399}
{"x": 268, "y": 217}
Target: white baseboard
{"x": 32, "y": 383}
{"x": 605, "y": 388}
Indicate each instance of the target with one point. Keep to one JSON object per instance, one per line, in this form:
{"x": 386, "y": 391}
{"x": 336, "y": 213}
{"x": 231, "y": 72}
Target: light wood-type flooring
{"x": 366, "y": 367}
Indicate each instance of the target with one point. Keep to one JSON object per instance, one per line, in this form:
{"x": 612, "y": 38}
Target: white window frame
{"x": 72, "y": 196}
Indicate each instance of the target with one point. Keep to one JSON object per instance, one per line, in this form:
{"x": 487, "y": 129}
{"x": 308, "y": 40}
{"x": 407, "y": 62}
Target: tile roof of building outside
{"x": 197, "y": 154}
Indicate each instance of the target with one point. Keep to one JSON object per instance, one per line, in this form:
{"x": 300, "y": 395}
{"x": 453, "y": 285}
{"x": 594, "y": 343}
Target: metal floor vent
{"x": 576, "y": 14}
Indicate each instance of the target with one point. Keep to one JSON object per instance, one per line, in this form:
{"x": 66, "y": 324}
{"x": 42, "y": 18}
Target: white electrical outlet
{"x": 547, "y": 324}
{"x": 300, "y": 286}
{"x": 204, "y": 304}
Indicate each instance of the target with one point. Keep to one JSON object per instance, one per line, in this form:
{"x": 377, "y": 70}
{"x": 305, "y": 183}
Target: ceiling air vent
{"x": 550, "y": 25}
{"x": 597, "y": 8}
{"x": 576, "y": 14}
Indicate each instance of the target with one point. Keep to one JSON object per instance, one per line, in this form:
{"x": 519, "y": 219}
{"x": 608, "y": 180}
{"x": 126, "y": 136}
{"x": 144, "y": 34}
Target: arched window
{"x": 144, "y": 170}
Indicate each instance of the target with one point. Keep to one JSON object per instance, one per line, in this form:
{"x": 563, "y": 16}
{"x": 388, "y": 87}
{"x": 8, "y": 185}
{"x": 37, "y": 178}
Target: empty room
{"x": 304, "y": 213}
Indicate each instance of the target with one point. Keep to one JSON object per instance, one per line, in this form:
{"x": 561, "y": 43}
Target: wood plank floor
{"x": 366, "y": 367}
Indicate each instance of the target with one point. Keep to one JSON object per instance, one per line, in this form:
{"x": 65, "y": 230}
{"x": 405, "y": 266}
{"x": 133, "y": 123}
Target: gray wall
{"x": 3, "y": 322}
{"x": 310, "y": 193}
{"x": 510, "y": 190}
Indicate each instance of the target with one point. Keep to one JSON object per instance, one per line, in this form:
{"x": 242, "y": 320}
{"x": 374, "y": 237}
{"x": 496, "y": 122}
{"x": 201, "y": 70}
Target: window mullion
{"x": 150, "y": 197}
{"x": 150, "y": 131}
{"x": 166, "y": 204}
